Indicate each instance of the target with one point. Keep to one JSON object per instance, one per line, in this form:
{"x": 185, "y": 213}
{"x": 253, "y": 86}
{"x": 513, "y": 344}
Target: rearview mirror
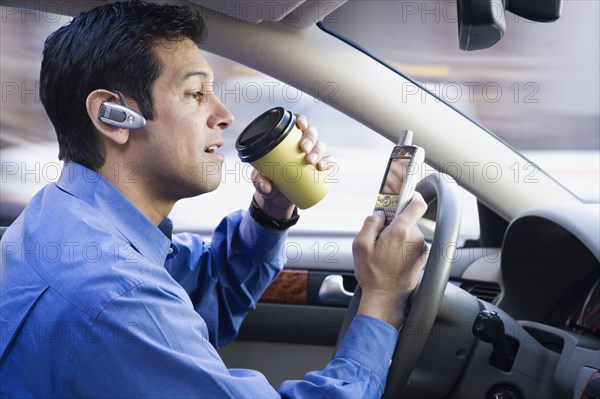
{"x": 481, "y": 23}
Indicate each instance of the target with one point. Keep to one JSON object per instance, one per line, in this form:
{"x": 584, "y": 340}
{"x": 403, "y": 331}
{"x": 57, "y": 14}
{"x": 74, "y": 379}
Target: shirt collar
{"x": 149, "y": 240}
{"x": 166, "y": 226}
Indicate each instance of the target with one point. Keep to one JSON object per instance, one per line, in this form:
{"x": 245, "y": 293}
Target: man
{"x": 99, "y": 299}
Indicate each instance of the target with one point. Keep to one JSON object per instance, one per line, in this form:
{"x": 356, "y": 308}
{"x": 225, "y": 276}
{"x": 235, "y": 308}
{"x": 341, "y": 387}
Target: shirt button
{"x": 170, "y": 251}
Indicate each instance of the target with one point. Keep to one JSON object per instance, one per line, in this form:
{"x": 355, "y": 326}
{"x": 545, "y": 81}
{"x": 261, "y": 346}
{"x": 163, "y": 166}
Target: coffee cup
{"x": 271, "y": 143}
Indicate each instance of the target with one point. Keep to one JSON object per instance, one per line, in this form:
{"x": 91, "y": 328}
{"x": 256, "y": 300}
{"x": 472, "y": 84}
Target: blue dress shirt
{"x": 98, "y": 302}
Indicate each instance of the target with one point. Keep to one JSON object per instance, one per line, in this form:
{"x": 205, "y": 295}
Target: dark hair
{"x": 109, "y": 47}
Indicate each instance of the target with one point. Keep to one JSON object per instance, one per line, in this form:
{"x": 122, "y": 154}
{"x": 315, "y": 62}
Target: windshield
{"x": 537, "y": 88}
{"x": 529, "y": 110}
{"x": 29, "y": 150}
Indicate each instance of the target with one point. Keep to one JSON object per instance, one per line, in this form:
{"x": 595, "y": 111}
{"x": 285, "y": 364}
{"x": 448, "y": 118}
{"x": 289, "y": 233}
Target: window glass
{"x": 29, "y": 149}
{"x": 360, "y": 154}
{"x": 537, "y": 88}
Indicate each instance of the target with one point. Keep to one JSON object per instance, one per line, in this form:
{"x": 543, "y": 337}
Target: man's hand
{"x": 387, "y": 263}
{"x": 271, "y": 200}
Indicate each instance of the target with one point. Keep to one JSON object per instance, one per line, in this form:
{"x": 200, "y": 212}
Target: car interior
{"x": 509, "y": 302}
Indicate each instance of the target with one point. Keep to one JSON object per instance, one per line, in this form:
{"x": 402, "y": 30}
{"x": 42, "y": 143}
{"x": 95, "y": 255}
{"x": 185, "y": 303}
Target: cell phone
{"x": 401, "y": 175}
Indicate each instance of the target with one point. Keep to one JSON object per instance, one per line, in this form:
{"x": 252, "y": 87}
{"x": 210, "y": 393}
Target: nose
{"x": 221, "y": 116}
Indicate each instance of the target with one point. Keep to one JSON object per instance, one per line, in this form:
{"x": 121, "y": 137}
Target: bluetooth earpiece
{"x": 120, "y": 115}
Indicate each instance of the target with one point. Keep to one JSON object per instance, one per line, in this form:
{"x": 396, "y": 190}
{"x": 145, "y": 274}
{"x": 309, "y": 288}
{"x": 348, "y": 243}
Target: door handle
{"x": 332, "y": 291}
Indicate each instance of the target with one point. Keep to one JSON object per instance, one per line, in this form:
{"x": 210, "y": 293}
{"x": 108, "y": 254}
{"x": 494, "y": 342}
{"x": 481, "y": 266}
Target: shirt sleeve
{"x": 151, "y": 343}
{"x": 225, "y": 278}
{"x": 358, "y": 370}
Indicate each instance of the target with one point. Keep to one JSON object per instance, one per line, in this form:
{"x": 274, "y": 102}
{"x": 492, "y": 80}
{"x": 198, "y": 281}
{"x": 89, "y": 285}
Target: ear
{"x": 92, "y": 105}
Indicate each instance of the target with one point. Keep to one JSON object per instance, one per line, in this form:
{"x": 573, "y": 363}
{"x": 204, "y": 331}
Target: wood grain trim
{"x": 291, "y": 286}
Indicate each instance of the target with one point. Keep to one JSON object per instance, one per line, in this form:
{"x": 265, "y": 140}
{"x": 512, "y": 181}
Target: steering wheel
{"x": 427, "y": 297}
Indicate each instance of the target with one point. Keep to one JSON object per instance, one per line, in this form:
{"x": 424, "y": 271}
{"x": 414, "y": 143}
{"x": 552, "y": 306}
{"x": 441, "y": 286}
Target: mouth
{"x": 212, "y": 148}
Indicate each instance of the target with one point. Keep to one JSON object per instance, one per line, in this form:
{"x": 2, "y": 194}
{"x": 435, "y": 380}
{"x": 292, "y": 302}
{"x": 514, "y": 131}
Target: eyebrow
{"x": 194, "y": 73}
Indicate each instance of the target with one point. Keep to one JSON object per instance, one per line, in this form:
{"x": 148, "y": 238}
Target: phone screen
{"x": 392, "y": 195}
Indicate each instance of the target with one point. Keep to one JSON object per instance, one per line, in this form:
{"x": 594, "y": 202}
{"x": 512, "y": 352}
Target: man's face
{"x": 181, "y": 143}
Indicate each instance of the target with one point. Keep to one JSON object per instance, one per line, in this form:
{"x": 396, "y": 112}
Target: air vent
{"x": 485, "y": 291}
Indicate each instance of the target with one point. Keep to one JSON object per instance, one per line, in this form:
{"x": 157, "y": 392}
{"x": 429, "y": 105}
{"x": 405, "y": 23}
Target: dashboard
{"x": 580, "y": 311}
{"x": 551, "y": 268}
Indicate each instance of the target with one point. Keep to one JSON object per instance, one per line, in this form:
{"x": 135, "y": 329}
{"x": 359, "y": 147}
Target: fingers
{"x": 402, "y": 224}
{"x": 403, "y": 230}
{"x": 366, "y": 237}
{"x": 262, "y": 184}
{"x": 326, "y": 162}
{"x": 269, "y": 198}
{"x": 301, "y": 121}
{"x": 315, "y": 150}
{"x": 414, "y": 211}
{"x": 310, "y": 136}
{"x": 317, "y": 153}
{"x": 309, "y": 133}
